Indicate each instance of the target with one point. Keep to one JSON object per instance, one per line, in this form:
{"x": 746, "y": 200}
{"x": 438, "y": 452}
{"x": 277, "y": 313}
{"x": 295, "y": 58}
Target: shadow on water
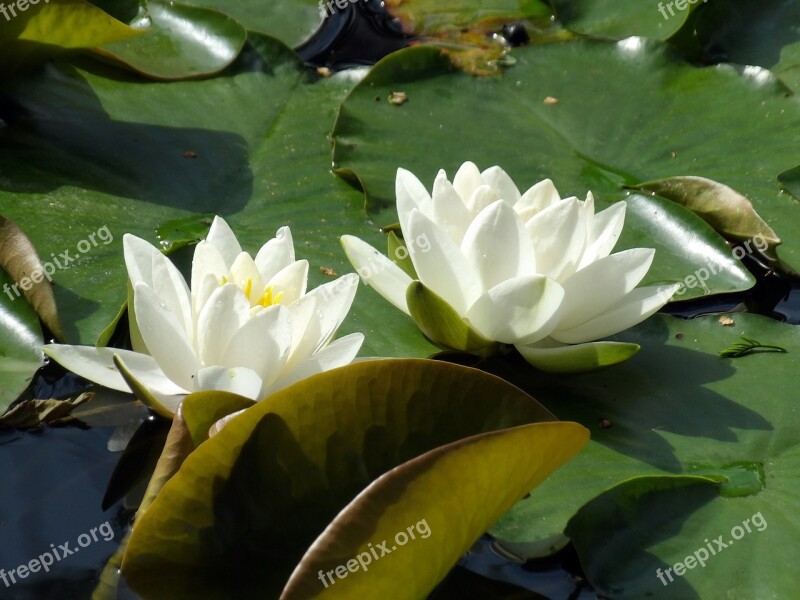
{"x": 53, "y": 481}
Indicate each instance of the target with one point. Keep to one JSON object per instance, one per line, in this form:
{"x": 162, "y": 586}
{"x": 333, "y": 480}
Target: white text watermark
{"x": 47, "y": 559}
{"x": 62, "y": 261}
{"x": 715, "y": 546}
{"x": 364, "y": 559}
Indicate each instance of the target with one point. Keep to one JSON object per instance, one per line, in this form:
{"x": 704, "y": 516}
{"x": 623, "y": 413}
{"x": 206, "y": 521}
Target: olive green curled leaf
{"x": 430, "y": 513}
{"x": 51, "y": 27}
{"x": 32, "y": 279}
{"x": 725, "y": 209}
{"x": 270, "y": 481}
{"x": 440, "y": 322}
{"x": 179, "y": 42}
{"x": 20, "y": 343}
{"x": 579, "y": 358}
{"x": 32, "y": 413}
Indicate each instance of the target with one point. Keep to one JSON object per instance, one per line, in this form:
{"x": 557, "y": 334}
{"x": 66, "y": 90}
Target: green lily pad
{"x": 620, "y": 19}
{"x": 20, "y": 343}
{"x": 649, "y": 116}
{"x": 284, "y": 468}
{"x": 179, "y": 42}
{"x": 89, "y": 151}
{"x": 291, "y": 21}
{"x": 677, "y": 408}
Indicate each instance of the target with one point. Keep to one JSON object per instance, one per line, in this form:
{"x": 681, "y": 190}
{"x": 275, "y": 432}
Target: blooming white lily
{"x": 247, "y": 326}
{"x": 491, "y": 264}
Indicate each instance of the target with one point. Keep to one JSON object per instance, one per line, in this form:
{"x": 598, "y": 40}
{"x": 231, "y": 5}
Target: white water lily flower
{"x": 247, "y": 325}
{"x": 481, "y": 262}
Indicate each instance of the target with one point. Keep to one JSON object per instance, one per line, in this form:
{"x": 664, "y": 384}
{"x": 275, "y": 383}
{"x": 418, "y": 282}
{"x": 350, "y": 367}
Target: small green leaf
{"x": 398, "y": 253}
{"x": 440, "y": 322}
{"x": 177, "y": 233}
{"x": 580, "y": 358}
{"x": 722, "y": 207}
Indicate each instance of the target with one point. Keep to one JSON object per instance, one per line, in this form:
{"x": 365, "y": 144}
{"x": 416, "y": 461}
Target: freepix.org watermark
{"x": 679, "y": 4}
{"x": 712, "y": 548}
{"x": 55, "y": 554}
{"x": 19, "y": 5}
{"x": 329, "y": 7}
{"x": 703, "y": 274}
{"x": 365, "y": 559}
{"x": 62, "y": 261}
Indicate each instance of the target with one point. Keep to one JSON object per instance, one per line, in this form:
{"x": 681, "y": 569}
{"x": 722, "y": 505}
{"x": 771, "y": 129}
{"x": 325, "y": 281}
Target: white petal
{"x": 334, "y": 300}
{"x": 237, "y": 380}
{"x": 97, "y": 364}
{"x": 467, "y": 180}
{"x": 518, "y": 311}
{"x": 147, "y": 265}
{"x": 502, "y": 183}
{"x": 558, "y": 235}
{"x": 208, "y": 269}
{"x": 301, "y": 314}
{"x": 600, "y": 286}
{"x": 377, "y": 271}
{"x": 442, "y": 267}
{"x": 497, "y": 245}
{"x": 537, "y": 198}
{"x": 604, "y": 231}
{"x": 290, "y": 282}
{"x": 276, "y": 254}
{"x": 410, "y": 194}
{"x": 226, "y": 311}
{"x": 222, "y": 237}
{"x": 337, "y": 354}
{"x": 262, "y": 344}
{"x": 165, "y": 337}
{"x": 449, "y": 211}
{"x": 635, "y": 308}
{"x": 482, "y": 197}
